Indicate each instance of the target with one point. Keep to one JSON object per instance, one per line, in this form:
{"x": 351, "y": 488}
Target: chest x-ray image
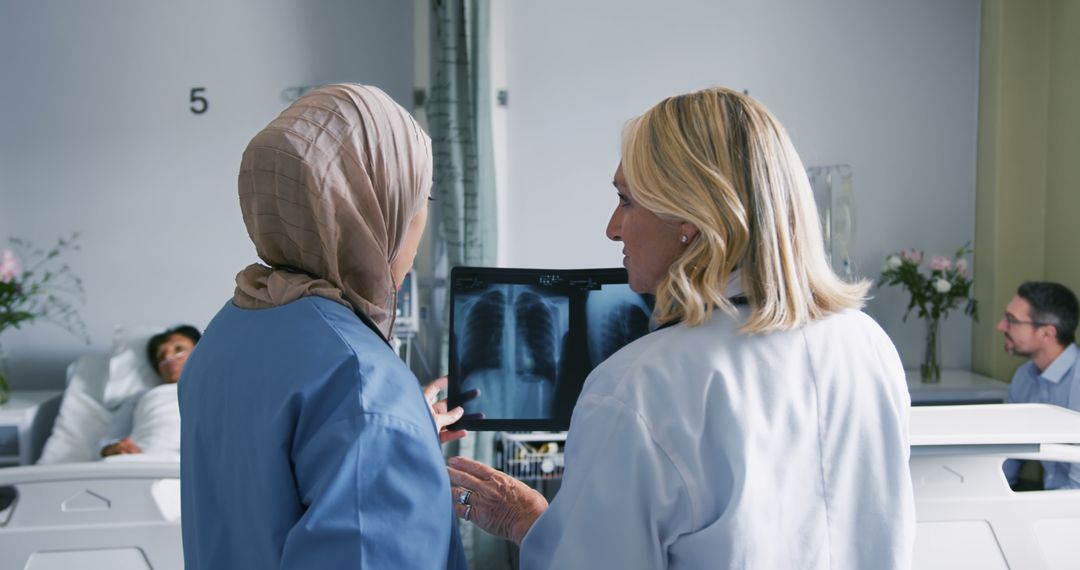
{"x": 527, "y": 339}
{"x": 617, "y": 316}
{"x": 510, "y": 348}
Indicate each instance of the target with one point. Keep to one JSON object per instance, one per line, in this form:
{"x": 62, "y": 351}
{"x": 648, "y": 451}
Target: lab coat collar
{"x": 733, "y": 291}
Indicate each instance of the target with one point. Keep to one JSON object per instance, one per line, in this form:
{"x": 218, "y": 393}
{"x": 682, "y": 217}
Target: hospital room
{"x": 499, "y": 284}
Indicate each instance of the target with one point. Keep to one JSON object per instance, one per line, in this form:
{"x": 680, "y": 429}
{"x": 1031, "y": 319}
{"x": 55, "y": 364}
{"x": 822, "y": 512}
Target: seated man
{"x": 1040, "y": 324}
{"x": 149, "y": 422}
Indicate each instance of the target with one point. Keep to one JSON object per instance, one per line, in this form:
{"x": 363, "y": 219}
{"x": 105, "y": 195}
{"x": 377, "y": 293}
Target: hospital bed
{"x": 75, "y": 511}
{"x": 126, "y": 515}
{"x": 968, "y": 517}
{"x": 120, "y": 516}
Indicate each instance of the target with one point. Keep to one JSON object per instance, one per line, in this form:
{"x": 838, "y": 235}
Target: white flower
{"x": 942, "y": 285}
{"x": 893, "y": 262}
{"x": 962, "y": 267}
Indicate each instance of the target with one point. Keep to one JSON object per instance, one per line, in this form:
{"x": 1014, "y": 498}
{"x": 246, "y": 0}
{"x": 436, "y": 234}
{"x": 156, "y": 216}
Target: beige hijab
{"x": 327, "y": 190}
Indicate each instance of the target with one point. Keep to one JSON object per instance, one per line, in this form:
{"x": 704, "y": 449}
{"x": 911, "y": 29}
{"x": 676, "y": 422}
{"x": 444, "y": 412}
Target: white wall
{"x": 887, "y": 87}
{"x": 96, "y": 135}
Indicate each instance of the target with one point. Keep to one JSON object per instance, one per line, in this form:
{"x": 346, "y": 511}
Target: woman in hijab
{"x": 307, "y": 443}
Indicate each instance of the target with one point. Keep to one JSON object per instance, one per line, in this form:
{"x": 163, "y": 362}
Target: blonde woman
{"x": 764, "y": 423}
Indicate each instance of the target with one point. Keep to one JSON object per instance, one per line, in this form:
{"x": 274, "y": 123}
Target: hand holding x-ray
{"x": 443, "y": 417}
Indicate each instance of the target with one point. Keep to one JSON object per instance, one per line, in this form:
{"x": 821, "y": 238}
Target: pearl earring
{"x": 684, "y": 239}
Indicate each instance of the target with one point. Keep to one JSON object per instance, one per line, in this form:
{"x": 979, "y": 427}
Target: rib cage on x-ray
{"x": 624, "y": 324}
{"x": 536, "y": 327}
{"x": 617, "y": 316}
{"x": 510, "y": 350}
{"x": 482, "y": 344}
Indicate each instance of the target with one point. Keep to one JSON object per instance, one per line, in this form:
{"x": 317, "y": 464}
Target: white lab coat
{"x": 697, "y": 447}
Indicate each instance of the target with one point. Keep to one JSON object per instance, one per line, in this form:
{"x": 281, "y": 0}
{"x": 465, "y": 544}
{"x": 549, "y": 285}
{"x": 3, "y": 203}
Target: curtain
{"x": 459, "y": 120}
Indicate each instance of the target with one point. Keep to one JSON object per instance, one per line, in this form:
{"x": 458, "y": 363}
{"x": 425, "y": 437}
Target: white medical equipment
{"x": 968, "y": 517}
{"x": 531, "y": 457}
{"x": 120, "y": 516}
{"x": 835, "y": 199}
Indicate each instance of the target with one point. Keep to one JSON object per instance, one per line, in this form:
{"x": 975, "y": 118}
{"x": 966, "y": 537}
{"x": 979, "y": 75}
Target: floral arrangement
{"x": 933, "y": 294}
{"x": 946, "y": 286}
{"x": 37, "y": 288}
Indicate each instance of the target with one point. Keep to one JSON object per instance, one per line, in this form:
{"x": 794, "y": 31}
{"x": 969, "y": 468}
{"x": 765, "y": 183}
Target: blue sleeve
{"x": 377, "y": 495}
{"x": 120, "y": 424}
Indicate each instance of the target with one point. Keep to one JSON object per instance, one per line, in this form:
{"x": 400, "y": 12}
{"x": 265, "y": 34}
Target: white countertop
{"x": 956, "y": 387}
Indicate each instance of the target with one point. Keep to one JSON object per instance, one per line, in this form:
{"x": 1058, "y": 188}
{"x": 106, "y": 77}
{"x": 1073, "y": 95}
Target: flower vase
{"x": 930, "y": 370}
{"x": 5, "y": 390}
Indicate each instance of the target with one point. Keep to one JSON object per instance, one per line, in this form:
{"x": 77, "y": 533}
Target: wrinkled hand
{"x": 123, "y": 447}
{"x": 443, "y": 417}
{"x": 501, "y": 505}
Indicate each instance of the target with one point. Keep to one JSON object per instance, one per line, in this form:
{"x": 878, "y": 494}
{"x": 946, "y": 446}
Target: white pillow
{"x": 96, "y": 386}
{"x": 82, "y": 420}
{"x": 88, "y": 375}
{"x": 130, "y": 371}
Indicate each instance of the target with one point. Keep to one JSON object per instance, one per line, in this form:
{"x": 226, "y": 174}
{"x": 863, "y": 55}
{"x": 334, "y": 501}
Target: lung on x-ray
{"x": 528, "y": 338}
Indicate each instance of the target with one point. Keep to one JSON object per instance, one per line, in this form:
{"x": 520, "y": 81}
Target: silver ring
{"x": 468, "y": 511}
{"x": 463, "y": 498}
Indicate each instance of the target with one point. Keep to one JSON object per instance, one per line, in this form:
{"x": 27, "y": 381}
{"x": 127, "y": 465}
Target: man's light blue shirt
{"x": 1058, "y": 385}
{"x": 307, "y": 443}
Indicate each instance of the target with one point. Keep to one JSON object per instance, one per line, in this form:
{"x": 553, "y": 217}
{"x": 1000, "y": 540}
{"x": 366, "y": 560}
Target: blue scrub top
{"x": 306, "y": 443}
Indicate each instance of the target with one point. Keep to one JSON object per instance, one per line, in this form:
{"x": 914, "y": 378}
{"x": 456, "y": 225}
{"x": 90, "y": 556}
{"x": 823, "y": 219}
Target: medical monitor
{"x": 528, "y": 338}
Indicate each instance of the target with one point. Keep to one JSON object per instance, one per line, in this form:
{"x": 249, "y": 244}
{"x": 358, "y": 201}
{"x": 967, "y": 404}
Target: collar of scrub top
{"x": 364, "y": 318}
{"x": 1062, "y": 364}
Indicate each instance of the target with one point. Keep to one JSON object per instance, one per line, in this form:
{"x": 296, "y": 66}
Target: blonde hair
{"x": 719, "y": 160}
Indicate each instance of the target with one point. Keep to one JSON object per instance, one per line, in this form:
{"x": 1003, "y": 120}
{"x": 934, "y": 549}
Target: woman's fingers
{"x": 470, "y": 395}
{"x": 447, "y": 418}
{"x": 496, "y": 502}
{"x": 459, "y": 478}
{"x": 431, "y": 391}
{"x": 473, "y": 468}
{"x": 441, "y": 415}
{"x": 446, "y": 436}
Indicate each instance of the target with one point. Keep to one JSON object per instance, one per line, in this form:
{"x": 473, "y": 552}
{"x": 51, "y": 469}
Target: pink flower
{"x": 9, "y": 266}
{"x": 940, "y": 263}
{"x": 912, "y": 255}
{"x": 962, "y": 267}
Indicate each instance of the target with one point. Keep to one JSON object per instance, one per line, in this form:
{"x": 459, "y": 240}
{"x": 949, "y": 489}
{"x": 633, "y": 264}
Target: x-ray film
{"x": 528, "y": 338}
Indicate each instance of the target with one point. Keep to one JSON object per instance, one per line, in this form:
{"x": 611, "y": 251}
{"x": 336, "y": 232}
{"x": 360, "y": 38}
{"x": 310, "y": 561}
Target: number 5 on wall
{"x": 199, "y": 104}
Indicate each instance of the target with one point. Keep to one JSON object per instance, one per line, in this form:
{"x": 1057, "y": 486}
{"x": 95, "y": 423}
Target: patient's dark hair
{"x": 159, "y": 339}
{"x": 1052, "y": 304}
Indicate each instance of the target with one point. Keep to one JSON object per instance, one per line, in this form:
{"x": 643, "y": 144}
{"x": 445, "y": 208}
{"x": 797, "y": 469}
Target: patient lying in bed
{"x": 152, "y": 427}
{"x": 148, "y": 423}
